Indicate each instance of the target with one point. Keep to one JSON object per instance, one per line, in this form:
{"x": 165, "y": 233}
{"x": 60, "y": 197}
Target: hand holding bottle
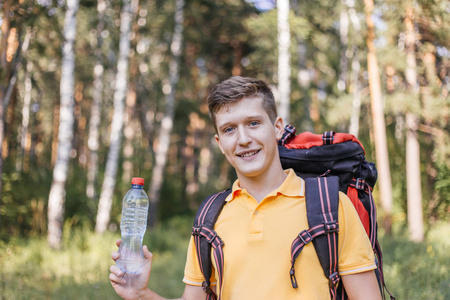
{"x": 131, "y": 286}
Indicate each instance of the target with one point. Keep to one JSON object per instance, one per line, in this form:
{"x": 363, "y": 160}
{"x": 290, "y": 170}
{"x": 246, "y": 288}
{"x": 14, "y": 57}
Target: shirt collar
{"x": 292, "y": 186}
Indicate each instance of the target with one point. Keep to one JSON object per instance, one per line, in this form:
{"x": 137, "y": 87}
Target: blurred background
{"x": 95, "y": 92}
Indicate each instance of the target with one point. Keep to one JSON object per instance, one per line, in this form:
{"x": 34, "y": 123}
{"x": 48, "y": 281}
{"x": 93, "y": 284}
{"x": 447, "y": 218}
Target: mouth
{"x": 248, "y": 153}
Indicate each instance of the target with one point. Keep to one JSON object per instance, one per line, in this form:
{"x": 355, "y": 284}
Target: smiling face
{"x": 248, "y": 138}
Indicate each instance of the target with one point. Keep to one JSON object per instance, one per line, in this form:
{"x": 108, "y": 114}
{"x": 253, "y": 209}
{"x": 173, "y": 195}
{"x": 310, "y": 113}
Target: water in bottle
{"x": 132, "y": 227}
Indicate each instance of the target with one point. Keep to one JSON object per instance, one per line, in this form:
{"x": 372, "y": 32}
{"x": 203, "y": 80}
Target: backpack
{"x": 328, "y": 163}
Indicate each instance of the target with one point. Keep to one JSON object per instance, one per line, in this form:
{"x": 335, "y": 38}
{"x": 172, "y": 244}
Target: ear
{"x": 279, "y": 127}
{"x": 218, "y": 143}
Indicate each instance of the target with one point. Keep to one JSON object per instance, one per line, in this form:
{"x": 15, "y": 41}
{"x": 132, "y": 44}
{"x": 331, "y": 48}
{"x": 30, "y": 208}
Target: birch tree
{"x": 109, "y": 181}
{"x": 130, "y": 124}
{"x": 97, "y": 96}
{"x": 379, "y": 125}
{"x": 56, "y": 198}
{"x": 413, "y": 182}
{"x": 356, "y": 67}
{"x": 343, "y": 35}
{"x": 167, "y": 121}
{"x": 24, "y": 141}
{"x": 284, "y": 60}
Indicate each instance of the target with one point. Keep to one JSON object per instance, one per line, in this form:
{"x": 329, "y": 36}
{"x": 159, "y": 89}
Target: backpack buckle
{"x": 360, "y": 183}
{"x": 328, "y": 138}
{"x": 288, "y": 133}
{"x": 211, "y": 239}
{"x": 196, "y": 230}
{"x": 291, "y": 129}
{"x": 293, "y": 279}
{"x": 331, "y": 227}
{"x": 206, "y": 287}
{"x": 333, "y": 279}
{"x": 306, "y": 240}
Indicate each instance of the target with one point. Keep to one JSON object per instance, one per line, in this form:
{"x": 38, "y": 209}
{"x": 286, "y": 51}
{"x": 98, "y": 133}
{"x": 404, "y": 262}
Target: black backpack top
{"x": 329, "y": 163}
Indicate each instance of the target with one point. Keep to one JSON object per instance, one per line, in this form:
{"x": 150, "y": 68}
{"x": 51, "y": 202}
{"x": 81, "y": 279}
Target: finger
{"x": 118, "y": 242}
{"x": 115, "y": 255}
{"x": 116, "y": 279}
{"x": 116, "y": 271}
{"x": 147, "y": 253}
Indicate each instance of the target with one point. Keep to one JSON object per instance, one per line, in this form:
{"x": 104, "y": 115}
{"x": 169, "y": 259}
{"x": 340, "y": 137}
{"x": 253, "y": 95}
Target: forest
{"x": 94, "y": 93}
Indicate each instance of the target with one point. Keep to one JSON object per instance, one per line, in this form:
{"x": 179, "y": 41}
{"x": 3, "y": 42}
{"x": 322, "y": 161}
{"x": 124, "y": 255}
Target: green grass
{"x": 416, "y": 271}
{"x": 30, "y": 270}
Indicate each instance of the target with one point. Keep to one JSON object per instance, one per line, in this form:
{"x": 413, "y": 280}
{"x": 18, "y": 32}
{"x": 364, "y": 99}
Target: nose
{"x": 244, "y": 137}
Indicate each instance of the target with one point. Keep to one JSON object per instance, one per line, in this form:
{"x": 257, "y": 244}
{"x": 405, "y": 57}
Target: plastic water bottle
{"x": 132, "y": 227}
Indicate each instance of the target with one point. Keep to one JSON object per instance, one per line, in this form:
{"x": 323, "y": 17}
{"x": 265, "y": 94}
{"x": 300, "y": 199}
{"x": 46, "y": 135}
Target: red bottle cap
{"x": 137, "y": 180}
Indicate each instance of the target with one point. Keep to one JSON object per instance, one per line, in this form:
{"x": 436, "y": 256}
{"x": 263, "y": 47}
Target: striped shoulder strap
{"x": 205, "y": 237}
{"x": 322, "y": 204}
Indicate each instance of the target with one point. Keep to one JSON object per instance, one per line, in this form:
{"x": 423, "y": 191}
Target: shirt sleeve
{"x": 355, "y": 251}
{"x": 192, "y": 272}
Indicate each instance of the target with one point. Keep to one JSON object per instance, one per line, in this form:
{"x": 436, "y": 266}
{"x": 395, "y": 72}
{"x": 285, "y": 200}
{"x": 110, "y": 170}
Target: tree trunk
{"x": 130, "y": 107}
{"x": 355, "y": 89}
{"x": 97, "y": 97}
{"x": 4, "y": 78}
{"x": 429, "y": 61}
{"x": 413, "y": 176}
{"x": 65, "y": 133}
{"x": 128, "y": 132}
{"x": 167, "y": 121}
{"x": 356, "y": 67}
{"x": 109, "y": 181}
{"x": 55, "y": 131}
{"x": 303, "y": 76}
{"x": 237, "y": 57}
{"x": 192, "y": 156}
{"x": 5, "y": 28}
{"x": 21, "y": 160}
{"x": 379, "y": 126}
{"x": 284, "y": 60}
{"x": 343, "y": 35}
{"x": 413, "y": 182}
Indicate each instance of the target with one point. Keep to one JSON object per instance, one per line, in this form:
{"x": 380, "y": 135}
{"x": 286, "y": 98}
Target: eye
{"x": 254, "y": 123}
{"x": 227, "y": 129}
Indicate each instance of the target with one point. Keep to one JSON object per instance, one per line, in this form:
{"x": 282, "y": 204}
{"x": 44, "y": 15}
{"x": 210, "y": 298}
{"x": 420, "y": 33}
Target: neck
{"x": 258, "y": 187}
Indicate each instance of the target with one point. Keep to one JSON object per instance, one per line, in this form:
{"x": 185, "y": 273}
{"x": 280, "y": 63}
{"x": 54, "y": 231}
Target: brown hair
{"x": 234, "y": 89}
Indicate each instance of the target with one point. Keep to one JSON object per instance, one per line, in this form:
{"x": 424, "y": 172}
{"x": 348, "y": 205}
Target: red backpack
{"x": 329, "y": 163}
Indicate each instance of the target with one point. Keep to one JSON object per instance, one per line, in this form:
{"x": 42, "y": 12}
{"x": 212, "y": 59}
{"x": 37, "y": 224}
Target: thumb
{"x": 147, "y": 254}
{"x": 148, "y": 260}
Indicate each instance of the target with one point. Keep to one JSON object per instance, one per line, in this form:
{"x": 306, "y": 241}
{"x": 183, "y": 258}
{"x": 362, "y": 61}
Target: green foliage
{"x": 418, "y": 271}
{"x": 168, "y": 242}
{"x": 23, "y": 198}
{"x": 263, "y": 58}
{"x": 30, "y": 270}
{"x": 221, "y": 38}
{"x": 442, "y": 185}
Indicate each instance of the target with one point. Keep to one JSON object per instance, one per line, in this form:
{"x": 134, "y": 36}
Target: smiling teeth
{"x": 248, "y": 154}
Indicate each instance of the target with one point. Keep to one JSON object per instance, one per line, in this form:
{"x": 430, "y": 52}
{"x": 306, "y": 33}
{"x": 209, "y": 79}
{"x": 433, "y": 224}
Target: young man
{"x": 264, "y": 213}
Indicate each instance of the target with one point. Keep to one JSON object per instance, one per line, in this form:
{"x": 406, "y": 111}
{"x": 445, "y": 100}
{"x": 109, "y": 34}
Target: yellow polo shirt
{"x": 257, "y": 241}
